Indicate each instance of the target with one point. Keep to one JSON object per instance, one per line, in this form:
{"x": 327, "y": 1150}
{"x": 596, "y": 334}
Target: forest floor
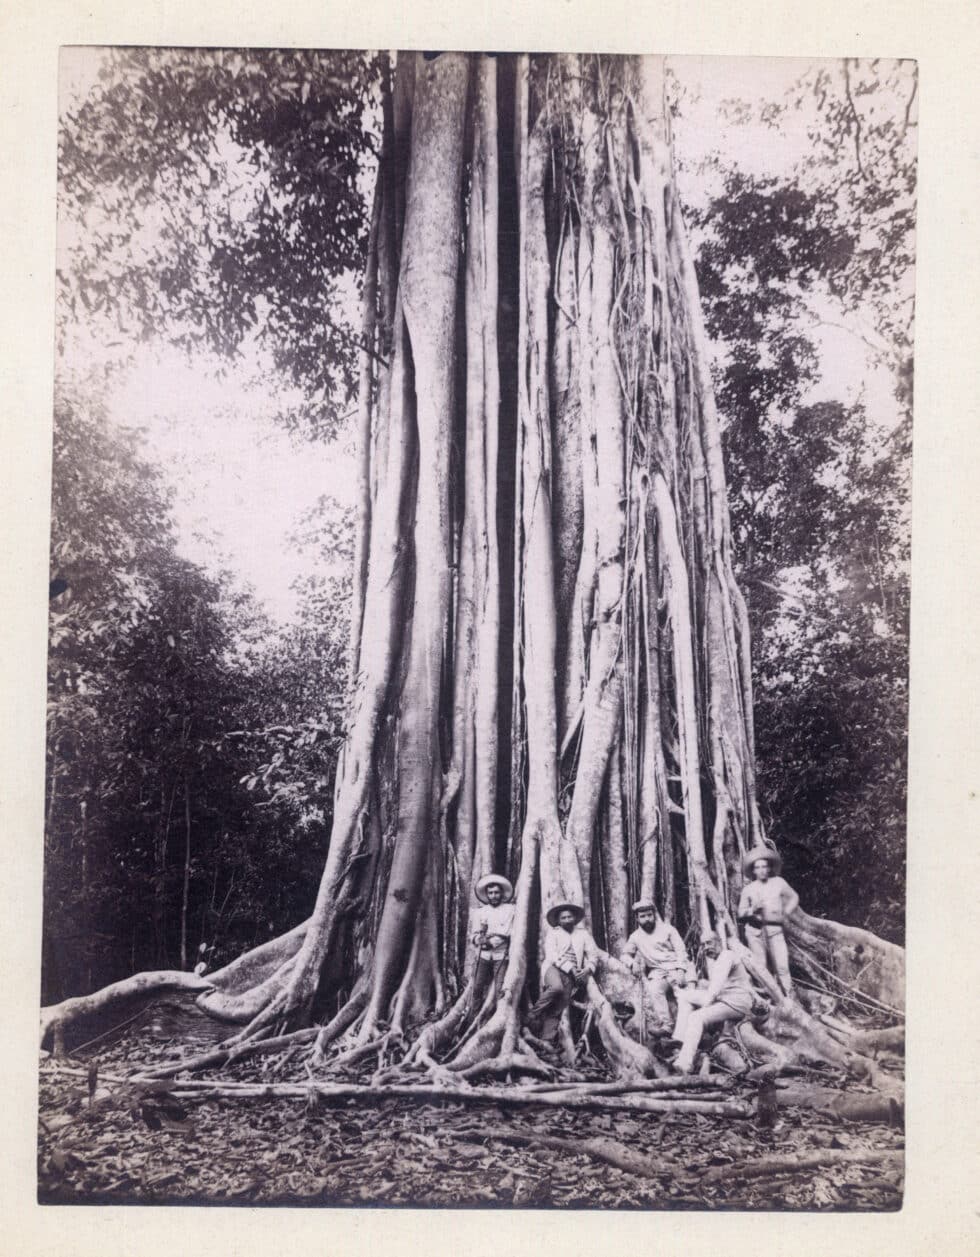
{"x": 102, "y": 1143}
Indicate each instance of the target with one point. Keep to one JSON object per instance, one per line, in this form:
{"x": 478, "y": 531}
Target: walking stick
{"x": 643, "y": 1010}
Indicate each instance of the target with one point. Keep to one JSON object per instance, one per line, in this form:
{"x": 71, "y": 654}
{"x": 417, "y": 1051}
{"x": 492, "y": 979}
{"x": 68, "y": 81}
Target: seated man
{"x": 762, "y": 908}
{"x": 570, "y": 958}
{"x": 727, "y": 997}
{"x": 491, "y": 927}
{"x": 655, "y": 952}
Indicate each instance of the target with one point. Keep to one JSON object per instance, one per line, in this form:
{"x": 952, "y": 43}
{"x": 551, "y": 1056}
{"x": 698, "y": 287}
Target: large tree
{"x": 550, "y": 669}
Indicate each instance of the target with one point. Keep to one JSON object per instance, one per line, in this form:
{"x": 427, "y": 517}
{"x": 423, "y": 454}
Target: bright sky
{"x": 241, "y": 484}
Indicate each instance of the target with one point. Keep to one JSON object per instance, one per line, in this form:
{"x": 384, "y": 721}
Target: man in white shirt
{"x": 727, "y": 997}
{"x": 570, "y": 959}
{"x": 491, "y": 928}
{"x": 655, "y": 953}
{"x": 764, "y": 905}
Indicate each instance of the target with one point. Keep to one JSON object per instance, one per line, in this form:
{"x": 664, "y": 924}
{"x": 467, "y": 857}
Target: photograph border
{"x": 943, "y": 1160}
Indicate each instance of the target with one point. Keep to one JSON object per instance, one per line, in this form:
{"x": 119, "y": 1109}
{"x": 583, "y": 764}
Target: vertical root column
{"x": 428, "y": 285}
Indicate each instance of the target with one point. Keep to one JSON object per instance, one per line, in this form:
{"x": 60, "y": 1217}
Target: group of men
{"x": 654, "y": 953}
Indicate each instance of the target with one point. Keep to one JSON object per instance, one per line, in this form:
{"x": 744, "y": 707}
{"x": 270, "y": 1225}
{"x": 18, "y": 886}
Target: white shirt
{"x": 570, "y": 951}
{"x": 663, "y": 948}
{"x": 772, "y": 899}
{"x": 499, "y": 920}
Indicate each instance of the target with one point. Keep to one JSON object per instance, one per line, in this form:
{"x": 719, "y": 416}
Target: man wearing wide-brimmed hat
{"x": 765, "y": 903}
{"x": 491, "y": 927}
{"x": 655, "y": 952}
{"x": 570, "y": 959}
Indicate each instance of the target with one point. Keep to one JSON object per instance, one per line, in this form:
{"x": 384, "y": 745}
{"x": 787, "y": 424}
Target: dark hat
{"x": 761, "y": 853}
{"x": 493, "y": 879}
{"x": 553, "y": 914}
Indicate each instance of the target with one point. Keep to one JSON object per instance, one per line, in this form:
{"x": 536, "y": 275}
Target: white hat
{"x": 555, "y": 912}
{"x": 493, "y": 879}
{"x": 761, "y": 853}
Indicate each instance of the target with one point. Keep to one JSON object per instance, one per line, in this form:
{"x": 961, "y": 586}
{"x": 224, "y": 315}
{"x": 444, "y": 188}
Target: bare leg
{"x": 698, "y": 1021}
{"x": 688, "y": 999}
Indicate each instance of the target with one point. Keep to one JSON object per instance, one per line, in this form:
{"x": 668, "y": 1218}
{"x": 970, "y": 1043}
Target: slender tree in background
{"x": 550, "y": 670}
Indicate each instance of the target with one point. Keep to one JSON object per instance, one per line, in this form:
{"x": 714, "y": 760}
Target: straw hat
{"x": 762, "y": 853}
{"x": 493, "y": 879}
{"x": 644, "y": 905}
{"x": 553, "y": 914}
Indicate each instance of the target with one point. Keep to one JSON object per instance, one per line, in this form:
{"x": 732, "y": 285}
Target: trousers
{"x": 771, "y": 953}
{"x": 488, "y": 973}
{"x": 694, "y": 1016}
{"x": 656, "y": 986}
{"x": 545, "y": 1013}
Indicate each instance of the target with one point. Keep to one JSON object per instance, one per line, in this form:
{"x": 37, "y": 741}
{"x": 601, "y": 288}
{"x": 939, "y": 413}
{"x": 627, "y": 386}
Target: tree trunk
{"x": 568, "y": 446}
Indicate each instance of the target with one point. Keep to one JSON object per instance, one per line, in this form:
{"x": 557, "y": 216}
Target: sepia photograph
{"x": 478, "y": 631}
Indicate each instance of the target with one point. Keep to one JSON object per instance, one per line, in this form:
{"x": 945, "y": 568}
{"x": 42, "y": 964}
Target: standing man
{"x": 570, "y": 959}
{"x": 492, "y": 926}
{"x": 656, "y": 954}
{"x": 764, "y": 905}
{"x": 727, "y": 997}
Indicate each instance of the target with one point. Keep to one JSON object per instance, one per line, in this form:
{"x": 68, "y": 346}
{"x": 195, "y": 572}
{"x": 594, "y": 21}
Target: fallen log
{"x": 885, "y": 1159}
{"x": 846, "y": 1106}
{"x": 496, "y": 1095}
{"x": 678, "y": 1082}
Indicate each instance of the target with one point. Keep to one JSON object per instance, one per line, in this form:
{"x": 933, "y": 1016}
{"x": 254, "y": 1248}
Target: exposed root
{"x": 608, "y": 1151}
{"x": 626, "y": 1056}
{"x": 854, "y": 957}
{"x": 343, "y": 1020}
{"x": 56, "y": 1017}
{"x": 227, "y": 1054}
{"x": 515, "y": 1063}
{"x": 244, "y": 976}
{"x": 361, "y": 1051}
{"x": 802, "y": 1162}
